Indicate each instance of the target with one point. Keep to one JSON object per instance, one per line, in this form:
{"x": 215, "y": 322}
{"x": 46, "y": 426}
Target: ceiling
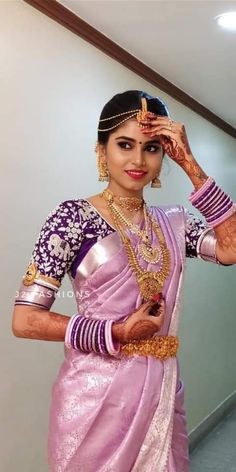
{"x": 179, "y": 39}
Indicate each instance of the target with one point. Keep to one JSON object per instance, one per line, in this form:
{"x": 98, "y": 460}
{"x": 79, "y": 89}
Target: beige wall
{"x": 52, "y": 87}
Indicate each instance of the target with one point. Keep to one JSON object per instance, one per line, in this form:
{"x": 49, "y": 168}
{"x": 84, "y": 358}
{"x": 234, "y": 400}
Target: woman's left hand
{"x": 172, "y": 135}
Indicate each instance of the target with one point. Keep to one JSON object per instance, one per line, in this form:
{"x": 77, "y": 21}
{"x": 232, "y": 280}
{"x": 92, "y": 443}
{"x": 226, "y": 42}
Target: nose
{"x": 138, "y": 157}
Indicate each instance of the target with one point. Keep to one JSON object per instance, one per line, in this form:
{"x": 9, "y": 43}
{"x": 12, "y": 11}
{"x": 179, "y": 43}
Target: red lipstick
{"x": 136, "y": 174}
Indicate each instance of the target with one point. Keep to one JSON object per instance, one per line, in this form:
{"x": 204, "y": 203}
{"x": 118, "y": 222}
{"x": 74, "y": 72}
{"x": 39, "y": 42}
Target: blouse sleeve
{"x": 55, "y": 250}
{"x": 200, "y": 240}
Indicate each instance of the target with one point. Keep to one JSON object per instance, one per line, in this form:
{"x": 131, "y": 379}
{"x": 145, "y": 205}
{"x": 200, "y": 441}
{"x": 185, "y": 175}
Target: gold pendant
{"x": 149, "y": 286}
{"x": 149, "y": 254}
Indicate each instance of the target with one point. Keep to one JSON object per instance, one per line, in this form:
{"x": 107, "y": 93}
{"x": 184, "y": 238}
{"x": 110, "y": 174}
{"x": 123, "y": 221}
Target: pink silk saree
{"x": 121, "y": 414}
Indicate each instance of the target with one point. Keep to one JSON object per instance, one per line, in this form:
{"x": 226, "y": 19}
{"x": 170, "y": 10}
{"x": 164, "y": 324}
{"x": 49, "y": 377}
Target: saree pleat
{"x": 111, "y": 414}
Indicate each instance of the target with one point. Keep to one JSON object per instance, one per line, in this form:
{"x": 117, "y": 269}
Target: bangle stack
{"x": 90, "y": 335}
{"x": 214, "y": 204}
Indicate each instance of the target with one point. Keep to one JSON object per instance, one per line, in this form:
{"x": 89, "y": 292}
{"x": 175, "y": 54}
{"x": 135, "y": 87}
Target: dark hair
{"x": 125, "y": 102}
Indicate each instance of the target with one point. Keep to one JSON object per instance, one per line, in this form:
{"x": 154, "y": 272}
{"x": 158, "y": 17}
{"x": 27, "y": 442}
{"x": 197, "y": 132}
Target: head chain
{"x": 140, "y": 114}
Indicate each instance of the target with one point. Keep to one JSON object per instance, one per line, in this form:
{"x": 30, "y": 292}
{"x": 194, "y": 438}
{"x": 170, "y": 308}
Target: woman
{"x": 117, "y": 403}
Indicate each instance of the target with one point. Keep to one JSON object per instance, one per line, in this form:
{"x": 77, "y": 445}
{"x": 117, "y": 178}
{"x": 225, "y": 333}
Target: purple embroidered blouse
{"x": 71, "y": 229}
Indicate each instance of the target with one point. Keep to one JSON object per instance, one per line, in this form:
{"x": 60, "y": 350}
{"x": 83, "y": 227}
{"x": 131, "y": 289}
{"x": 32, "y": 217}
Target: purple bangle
{"x": 219, "y": 213}
{"x": 97, "y": 333}
{"x": 211, "y": 199}
{"x": 205, "y": 196}
{"x": 214, "y": 204}
{"x": 227, "y": 203}
{"x": 100, "y": 339}
{"x": 74, "y": 331}
{"x": 196, "y": 194}
{"x": 81, "y": 335}
{"x": 90, "y": 334}
{"x": 86, "y": 334}
{"x": 224, "y": 217}
{"x": 74, "y": 339}
{"x": 103, "y": 348}
{"x": 93, "y": 336}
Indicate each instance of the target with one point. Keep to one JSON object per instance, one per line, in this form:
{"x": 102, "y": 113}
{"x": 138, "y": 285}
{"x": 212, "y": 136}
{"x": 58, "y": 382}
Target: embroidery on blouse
{"x": 194, "y": 227}
{"x": 62, "y": 235}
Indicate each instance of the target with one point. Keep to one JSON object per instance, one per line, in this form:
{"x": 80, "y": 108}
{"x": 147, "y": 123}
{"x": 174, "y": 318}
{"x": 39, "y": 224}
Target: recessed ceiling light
{"x": 227, "y": 20}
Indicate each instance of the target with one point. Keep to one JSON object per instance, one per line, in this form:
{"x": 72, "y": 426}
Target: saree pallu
{"x": 121, "y": 414}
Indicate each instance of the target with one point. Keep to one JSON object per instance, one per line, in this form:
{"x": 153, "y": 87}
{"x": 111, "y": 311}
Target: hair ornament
{"x": 139, "y": 114}
{"x": 142, "y": 114}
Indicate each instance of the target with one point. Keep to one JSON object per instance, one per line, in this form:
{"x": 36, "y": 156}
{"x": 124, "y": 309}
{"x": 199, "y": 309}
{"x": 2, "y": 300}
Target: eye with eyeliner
{"x": 149, "y": 147}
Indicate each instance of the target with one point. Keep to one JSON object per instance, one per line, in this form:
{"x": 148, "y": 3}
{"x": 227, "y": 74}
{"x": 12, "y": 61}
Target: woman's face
{"x": 133, "y": 159}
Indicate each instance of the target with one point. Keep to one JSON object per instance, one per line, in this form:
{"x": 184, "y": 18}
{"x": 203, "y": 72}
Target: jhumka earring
{"x": 156, "y": 183}
{"x": 103, "y": 171}
{"x": 102, "y": 167}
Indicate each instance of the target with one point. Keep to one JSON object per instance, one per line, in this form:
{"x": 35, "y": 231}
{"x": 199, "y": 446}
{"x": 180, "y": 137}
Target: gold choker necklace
{"x": 129, "y": 203}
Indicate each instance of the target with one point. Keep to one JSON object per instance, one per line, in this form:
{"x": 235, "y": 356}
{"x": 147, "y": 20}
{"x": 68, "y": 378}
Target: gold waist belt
{"x": 161, "y": 347}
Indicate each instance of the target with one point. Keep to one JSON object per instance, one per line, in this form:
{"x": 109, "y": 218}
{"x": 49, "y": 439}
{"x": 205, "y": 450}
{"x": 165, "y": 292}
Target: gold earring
{"x": 102, "y": 166}
{"x": 103, "y": 171}
{"x": 156, "y": 183}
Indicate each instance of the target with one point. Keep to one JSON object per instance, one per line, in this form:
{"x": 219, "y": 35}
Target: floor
{"x": 217, "y": 452}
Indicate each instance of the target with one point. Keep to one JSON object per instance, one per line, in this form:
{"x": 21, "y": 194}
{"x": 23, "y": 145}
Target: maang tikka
{"x": 102, "y": 166}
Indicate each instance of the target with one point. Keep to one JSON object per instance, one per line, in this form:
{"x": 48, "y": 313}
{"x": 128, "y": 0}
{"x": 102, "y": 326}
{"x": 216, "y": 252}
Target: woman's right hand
{"x": 139, "y": 325}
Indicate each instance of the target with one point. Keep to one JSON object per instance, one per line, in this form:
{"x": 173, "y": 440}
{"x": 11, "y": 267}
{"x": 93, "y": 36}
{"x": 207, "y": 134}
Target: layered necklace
{"x": 150, "y": 282}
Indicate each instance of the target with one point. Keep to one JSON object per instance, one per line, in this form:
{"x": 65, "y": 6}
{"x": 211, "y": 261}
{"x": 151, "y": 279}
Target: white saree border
{"x": 154, "y": 453}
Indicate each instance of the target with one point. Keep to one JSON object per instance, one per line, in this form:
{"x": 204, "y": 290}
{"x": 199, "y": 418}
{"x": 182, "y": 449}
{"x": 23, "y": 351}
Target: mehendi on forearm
{"x": 47, "y": 327}
{"x": 194, "y": 172}
{"x": 226, "y": 238}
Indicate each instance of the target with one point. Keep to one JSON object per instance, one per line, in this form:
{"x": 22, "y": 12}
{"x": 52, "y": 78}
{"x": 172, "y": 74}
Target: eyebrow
{"x": 134, "y": 140}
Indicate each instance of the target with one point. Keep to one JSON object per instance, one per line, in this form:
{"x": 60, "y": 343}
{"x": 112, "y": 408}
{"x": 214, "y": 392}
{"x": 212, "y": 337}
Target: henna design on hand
{"x": 193, "y": 170}
{"x": 172, "y": 148}
{"x": 142, "y": 330}
{"x": 226, "y": 236}
{"x": 188, "y": 163}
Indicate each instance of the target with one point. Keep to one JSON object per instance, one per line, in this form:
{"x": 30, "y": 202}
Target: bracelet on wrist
{"x": 91, "y": 335}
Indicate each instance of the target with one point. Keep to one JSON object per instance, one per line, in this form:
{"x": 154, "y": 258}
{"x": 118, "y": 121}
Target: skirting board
{"x": 211, "y": 421}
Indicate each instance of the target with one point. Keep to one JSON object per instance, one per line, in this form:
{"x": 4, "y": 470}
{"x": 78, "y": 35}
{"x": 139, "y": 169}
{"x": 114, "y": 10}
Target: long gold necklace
{"x": 150, "y": 282}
